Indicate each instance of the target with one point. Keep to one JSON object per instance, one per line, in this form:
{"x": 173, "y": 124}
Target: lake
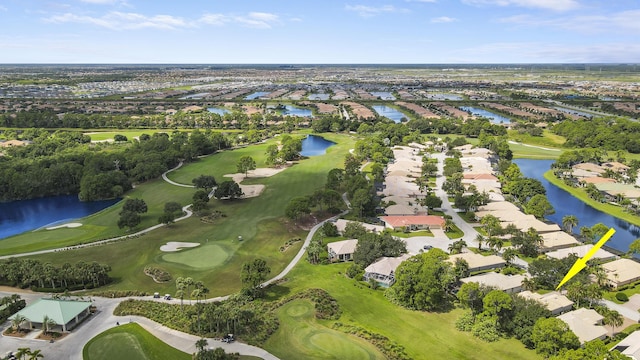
{"x": 443, "y": 96}
{"x": 495, "y": 118}
{"x": 389, "y": 113}
{"x": 296, "y": 111}
{"x": 17, "y": 217}
{"x": 256, "y": 95}
{"x": 218, "y": 110}
{"x": 383, "y": 95}
{"x": 315, "y": 145}
{"x": 566, "y": 204}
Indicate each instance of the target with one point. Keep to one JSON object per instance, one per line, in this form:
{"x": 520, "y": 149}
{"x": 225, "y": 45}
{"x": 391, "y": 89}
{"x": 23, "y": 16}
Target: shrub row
{"x": 389, "y": 348}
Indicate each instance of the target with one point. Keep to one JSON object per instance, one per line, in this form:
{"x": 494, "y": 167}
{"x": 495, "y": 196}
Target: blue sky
{"x": 329, "y": 31}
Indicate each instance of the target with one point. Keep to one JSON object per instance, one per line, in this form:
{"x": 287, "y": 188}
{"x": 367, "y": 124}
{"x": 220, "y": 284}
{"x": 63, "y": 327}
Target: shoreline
{"x": 605, "y": 208}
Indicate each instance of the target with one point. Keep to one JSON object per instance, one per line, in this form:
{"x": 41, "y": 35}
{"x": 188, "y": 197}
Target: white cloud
{"x": 123, "y": 21}
{"x": 623, "y": 21}
{"x": 258, "y": 20}
{"x": 443, "y": 19}
{"x": 556, "y": 5}
{"x": 369, "y": 11}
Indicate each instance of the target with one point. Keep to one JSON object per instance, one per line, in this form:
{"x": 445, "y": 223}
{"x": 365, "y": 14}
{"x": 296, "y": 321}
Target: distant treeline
{"x": 604, "y": 133}
{"x": 64, "y": 162}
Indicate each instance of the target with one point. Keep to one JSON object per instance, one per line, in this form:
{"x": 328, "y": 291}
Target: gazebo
{"x": 65, "y": 313}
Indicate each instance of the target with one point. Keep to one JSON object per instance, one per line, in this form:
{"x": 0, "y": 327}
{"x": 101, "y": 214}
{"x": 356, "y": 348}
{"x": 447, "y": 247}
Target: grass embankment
{"x": 424, "y": 335}
{"x": 218, "y": 260}
{"x": 613, "y": 210}
{"x": 548, "y": 139}
{"x": 131, "y": 342}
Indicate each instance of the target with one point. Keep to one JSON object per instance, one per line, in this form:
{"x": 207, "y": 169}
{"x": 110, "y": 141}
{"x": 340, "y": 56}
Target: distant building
{"x": 342, "y": 250}
{"x": 585, "y": 323}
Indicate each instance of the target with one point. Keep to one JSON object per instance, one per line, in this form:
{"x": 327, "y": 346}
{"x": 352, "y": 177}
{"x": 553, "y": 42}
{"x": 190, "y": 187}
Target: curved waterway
{"x": 17, "y": 217}
{"x": 566, "y": 204}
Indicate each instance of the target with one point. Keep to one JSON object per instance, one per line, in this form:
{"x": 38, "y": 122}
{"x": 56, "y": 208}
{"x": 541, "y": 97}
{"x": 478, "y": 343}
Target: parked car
{"x": 167, "y": 296}
{"x": 228, "y": 338}
{"x": 156, "y": 295}
{"x": 427, "y": 247}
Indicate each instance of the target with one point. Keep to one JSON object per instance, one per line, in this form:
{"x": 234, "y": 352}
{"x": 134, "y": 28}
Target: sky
{"x": 319, "y": 32}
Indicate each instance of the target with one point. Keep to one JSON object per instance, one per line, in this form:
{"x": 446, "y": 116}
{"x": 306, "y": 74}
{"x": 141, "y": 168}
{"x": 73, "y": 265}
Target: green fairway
{"x": 258, "y": 220}
{"x": 300, "y": 335}
{"x": 202, "y": 257}
{"x": 534, "y": 152}
{"x": 424, "y": 335}
{"x": 131, "y": 342}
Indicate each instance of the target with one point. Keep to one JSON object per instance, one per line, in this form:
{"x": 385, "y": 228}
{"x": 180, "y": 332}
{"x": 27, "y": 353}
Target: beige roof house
{"x": 557, "y": 240}
{"x": 499, "y": 205}
{"x": 342, "y": 250}
{"x": 589, "y": 167}
{"x": 553, "y": 301}
{"x": 383, "y": 270}
{"x": 479, "y": 262}
{"x": 585, "y": 323}
{"x": 580, "y": 251}
{"x": 615, "y": 166}
{"x": 509, "y": 283}
{"x": 622, "y": 272}
{"x": 537, "y": 225}
{"x": 401, "y": 210}
{"x": 630, "y": 346}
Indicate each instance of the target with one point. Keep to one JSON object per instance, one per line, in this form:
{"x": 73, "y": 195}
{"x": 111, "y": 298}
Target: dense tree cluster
{"x": 64, "y": 163}
{"x": 372, "y": 246}
{"x": 603, "y": 133}
{"x": 33, "y": 273}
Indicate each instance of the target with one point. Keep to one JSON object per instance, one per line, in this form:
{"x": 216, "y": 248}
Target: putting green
{"x": 206, "y": 256}
{"x": 301, "y": 336}
{"x": 131, "y": 342}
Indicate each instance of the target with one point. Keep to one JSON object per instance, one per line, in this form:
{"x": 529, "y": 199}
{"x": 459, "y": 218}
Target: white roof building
{"x": 557, "y": 240}
{"x": 507, "y": 283}
{"x": 585, "y": 323}
{"x": 383, "y": 270}
{"x": 630, "y": 346}
{"x": 341, "y": 224}
{"x": 553, "y": 301}
{"x": 342, "y": 250}
{"x": 478, "y": 262}
{"x": 622, "y": 272}
{"x": 580, "y": 251}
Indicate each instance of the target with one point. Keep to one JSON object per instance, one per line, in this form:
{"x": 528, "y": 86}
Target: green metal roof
{"x": 60, "y": 311}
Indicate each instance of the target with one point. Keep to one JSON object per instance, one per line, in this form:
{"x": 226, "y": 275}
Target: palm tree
{"x": 448, "y": 225}
{"x": 613, "y": 318}
{"x": 35, "y": 355}
{"x": 496, "y": 242}
{"x": 188, "y": 282}
{"x": 201, "y": 344}
{"x": 480, "y": 240}
{"x": 47, "y": 324}
{"x": 569, "y": 222}
{"x": 17, "y": 320}
{"x": 22, "y": 353}
{"x": 508, "y": 255}
{"x": 457, "y": 246}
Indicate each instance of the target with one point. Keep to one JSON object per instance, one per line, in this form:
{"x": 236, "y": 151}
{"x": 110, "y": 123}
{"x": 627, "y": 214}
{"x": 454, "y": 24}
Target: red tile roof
{"x": 428, "y": 220}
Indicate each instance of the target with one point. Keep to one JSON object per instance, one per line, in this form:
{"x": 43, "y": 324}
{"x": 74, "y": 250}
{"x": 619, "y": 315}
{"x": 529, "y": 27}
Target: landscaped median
{"x": 612, "y": 210}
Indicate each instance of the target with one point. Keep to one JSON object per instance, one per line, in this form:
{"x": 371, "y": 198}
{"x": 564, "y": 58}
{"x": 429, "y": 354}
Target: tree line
{"x": 26, "y": 273}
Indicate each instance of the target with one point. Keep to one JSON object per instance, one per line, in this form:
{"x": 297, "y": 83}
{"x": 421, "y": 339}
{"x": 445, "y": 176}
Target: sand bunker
{"x": 254, "y": 190}
{"x": 174, "y": 246}
{"x": 68, "y": 225}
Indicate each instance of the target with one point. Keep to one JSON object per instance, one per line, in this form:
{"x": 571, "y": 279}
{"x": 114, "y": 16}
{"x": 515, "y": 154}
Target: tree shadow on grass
{"x": 276, "y": 292}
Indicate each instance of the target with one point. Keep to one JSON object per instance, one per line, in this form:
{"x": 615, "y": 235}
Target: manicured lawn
{"x": 632, "y": 290}
{"x": 300, "y": 335}
{"x": 131, "y": 342}
{"x": 528, "y": 152}
{"x": 548, "y": 139}
{"x": 424, "y": 335}
{"x": 218, "y": 261}
{"x": 454, "y": 233}
{"x": 613, "y": 210}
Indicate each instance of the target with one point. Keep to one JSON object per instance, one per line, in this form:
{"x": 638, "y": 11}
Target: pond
{"x": 383, "y": 95}
{"x": 566, "y": 204}
{"x": 296, "y": 111}
{"x": 218, "y": 110}
{"x": 495, "y": 118}
{"x": 17, "y": 217}
{"x": 318, "y": 96}
{"x": 390, "y": 113}
{"x": 315, "y": 145}
{"x": 256, "y": 95}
